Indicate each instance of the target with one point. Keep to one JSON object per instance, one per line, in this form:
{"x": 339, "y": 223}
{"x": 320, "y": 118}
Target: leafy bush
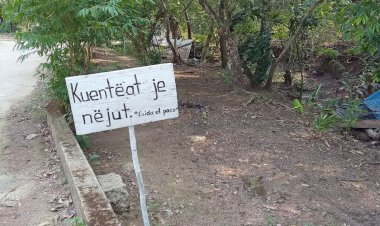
{"x": 67, "y": 31}
{"x": 330, "y": 53}
{"x": 255, "y": 52}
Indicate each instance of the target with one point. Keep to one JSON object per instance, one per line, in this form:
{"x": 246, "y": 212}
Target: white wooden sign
{"x": 117, "y": 99}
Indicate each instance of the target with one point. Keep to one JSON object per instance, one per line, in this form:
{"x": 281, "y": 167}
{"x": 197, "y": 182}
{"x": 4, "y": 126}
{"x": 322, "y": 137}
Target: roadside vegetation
{"x": 255, "y": 41}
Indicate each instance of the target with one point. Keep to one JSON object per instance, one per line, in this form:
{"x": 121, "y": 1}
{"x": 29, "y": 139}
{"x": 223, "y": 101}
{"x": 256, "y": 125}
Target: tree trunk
{"x": 223, "y": 49}
{"x": 207, "y": 43}
{"x": 173, "y": 48}
{"x": 291, "y": 41}
{"x": 223, "y": 34}
{"x": 264, "y": 61}
{"x": 224, "y": 21}
{"x": 236, "y": 68}
{"x": 188, "y": 25}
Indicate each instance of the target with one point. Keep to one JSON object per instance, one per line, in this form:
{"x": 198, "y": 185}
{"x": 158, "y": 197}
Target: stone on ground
{"x": 116, "y": 191}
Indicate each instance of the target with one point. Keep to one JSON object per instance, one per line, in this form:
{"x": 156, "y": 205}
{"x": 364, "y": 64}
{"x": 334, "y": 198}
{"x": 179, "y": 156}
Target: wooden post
{"x": 136, "y": 166}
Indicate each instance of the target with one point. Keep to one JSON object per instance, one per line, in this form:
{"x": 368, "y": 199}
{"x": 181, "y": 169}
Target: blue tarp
{"x": 373, "y": 103}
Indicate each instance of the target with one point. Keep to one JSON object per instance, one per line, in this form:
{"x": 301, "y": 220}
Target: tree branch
{"x": 207, "y": 8}
{"x": 290, "y": 43}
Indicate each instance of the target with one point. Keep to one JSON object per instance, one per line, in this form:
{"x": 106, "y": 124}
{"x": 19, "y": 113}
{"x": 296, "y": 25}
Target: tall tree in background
{"x": 223, "y": 20}
{"x": 255, "y": 41}
{"x": 291, "y": 41}
{"x": 223, "y": 35}
{"x": 361, "y": 24}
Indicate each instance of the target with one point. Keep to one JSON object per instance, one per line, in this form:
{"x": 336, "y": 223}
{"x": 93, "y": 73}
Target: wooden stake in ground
{"x": 140, "y": 182}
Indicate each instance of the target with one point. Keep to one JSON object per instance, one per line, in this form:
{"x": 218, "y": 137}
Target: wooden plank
{"x": 367, "y": 124}
{"x": 117, "y": 99}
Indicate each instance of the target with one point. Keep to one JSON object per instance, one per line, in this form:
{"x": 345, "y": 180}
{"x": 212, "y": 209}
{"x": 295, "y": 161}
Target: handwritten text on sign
{"x": 122, "y": 98}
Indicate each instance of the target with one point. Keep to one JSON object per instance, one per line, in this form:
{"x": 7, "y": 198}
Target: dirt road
{"x": 17, "y": 79}
{"x": 29, "y": 168}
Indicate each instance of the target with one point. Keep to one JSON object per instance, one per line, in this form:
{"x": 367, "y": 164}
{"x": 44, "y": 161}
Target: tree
{"x": 361, "y": 24}
{"x": 66, "y": 31}
{"x": 223, "y": 21}
{"x": 254, "y": 24}
{"x": 291, "y": 41}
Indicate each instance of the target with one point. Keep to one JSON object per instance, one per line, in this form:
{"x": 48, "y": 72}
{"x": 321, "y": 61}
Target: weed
{"x": 297, "y": 105}
{"x": 77, "y": 221}
{"x": 324, "y": 122}
{"x": 312, "y": 99}
{"x": 94, "y": 159}
{"x": 153, "y": 207}
{"x": 353, "y": 109}
{"x": 271, "y": 221}
{"x": 205, "y": 117}
{"x": 83, "y": 141}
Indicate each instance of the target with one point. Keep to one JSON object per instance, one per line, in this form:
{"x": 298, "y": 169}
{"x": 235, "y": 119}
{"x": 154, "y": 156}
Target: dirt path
{"x": 17, "y": 79}
{"x": 29, "y": 173}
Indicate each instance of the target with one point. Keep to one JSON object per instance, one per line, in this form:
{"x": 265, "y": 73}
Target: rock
{"x": 361, "y": 135}
{"x": 31, "y": 136}
{"x": 116, "y": 192}
{"x": 46, "y": 223}
{"x": 198, "y": 139}
{"x": 10, "y": 203}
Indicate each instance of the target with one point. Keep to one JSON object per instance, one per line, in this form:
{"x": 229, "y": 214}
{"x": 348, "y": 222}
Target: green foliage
{"x": 94, "y": 159}
{"x": 84, "y": 141}
{"x": 154, "y": 56}
{"x": 312, "y": 99}
{"x": 361, "y": 22}
{"x": 67, "y": 31}
{"x": 329, "y": 52}
{"x": 339, "y": 112}
{"x": 255, "y": 52}
{"x": 376, "y": 75}
{"x": 325, "y": 122}
{"x": 271, "y": 221}
{"x": 77, "y": 221}
{"x": 255, "y": 47}
{"x": 199, "y": 38}
{"x": 297, "y": 105}
{"x": 153, "y": 207}
{"x": 353, "y": 51}
{"x": 5, "y": 25}
{"x": 353, "y": 109}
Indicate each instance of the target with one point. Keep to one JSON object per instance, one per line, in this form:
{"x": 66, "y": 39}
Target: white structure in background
{"x": 183, "y": 46}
